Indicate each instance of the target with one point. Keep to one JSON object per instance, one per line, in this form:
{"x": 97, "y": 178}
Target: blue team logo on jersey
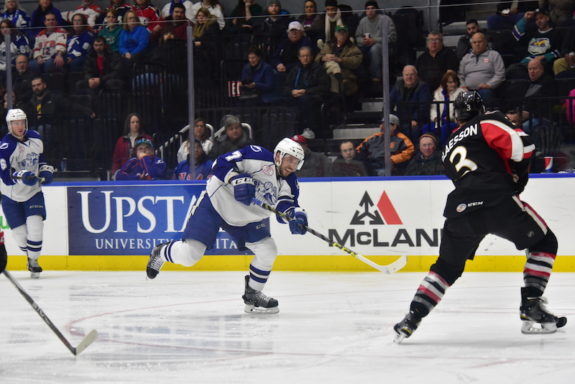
{"x": 131, "y": 220}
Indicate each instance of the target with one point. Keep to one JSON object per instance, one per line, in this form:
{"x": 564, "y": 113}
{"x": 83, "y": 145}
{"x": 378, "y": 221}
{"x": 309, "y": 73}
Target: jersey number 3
{"x": 463, "y": 164}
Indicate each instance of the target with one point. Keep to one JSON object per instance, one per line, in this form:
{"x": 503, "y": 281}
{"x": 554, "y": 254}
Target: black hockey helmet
{"x": 467, "y": 105}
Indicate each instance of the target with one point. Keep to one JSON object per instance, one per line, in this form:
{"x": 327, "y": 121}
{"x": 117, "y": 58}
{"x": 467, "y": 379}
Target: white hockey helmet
{"x": 15, "y": 115}
{"x": 289, "y": 147}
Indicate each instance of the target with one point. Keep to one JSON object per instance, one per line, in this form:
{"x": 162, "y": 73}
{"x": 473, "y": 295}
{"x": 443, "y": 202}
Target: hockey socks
{"x": 537, "y": 271}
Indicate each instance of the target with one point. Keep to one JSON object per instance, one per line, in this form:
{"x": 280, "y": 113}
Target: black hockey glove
{"x": 3, "y": 253}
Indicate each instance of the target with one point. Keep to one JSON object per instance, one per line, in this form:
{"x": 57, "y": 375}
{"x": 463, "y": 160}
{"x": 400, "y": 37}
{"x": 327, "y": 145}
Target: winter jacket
{"x": 410, "y": 104}
{"x": 112, "y": 66}
{"x": 372, "y": 150}
{"x": 420, "y": 166}
{"x": 263, "y": 76}
{"x": 311, "y": 78}
{"x": 431, "y": 69}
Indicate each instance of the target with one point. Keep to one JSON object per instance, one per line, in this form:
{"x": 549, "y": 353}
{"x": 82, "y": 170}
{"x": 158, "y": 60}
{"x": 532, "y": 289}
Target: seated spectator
{"x": 368, "y": 37}
{"x": 206, "y": 44}
{"x": 271, "y": 30}
{"x": 22, "y": 77}
{"x": 111, "y": 31}
{"x": 148, "y": 15}
{"x": 410, "y": 99}
{"x": 245, "y": 14}
{"x": 234, "y": 137}
{"x": 566, "y": 63}
{"x": 435, "y": 61}
{"x": 372, "y": 150}
{"x": 306, "y": 87}
{"x": 134, "y": 38}
{"x": 124, "y": 148}
{"x": 285, "y": 56}
{"x": 215, "y": 9}
{"x": 542, "y": 43}
{"x": 331, "y": 19}
{"x": 464, "y": 42}
{"x": 177, "y": 23}
{"x": 144, "y": 165}
{"x": 482, "y": 69}
{"x": 17, "y": 16}
{"x": 48, "y": 107}
{"x": 315, "y": 164}
{"x": 50, "y": 47}
{"x": 427, "y": 161}
{"x": 79, "y": 43}
{"x": 259, "y": 85}
{"x": 531, "y": 97}
{"x": 203, "y": 166}
{"x": 120, "y": 7}
{"x": 37, "y": 21}
{"x": 103, "y": 69}
{"x": 311, "y": 20}
{"x": 346, "y": 165}
{"x": 202, "y": 134}
{"x": 168, "y": 9}
{"x": 19, "y": 43}
{"x": 442, "y": 112}
{"x": 341, "y": 58}
{"x": 88, "y": 8}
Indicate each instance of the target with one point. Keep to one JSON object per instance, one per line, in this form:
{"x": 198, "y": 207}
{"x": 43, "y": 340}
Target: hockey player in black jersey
{"x": 488, "y": 161}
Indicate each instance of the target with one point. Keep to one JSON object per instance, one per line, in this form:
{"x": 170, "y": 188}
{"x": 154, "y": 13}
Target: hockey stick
{"x": 89, "y": 339}
{"x": 389, "y": 268}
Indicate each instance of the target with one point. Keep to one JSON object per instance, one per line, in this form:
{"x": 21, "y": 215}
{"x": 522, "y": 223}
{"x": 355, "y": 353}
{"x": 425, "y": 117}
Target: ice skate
{"x": 34, "y": 268}
{"x": 406, "y": 327}
{"x": 533, "y": 311}
{"x": 257, "y": 302}
{"x": 156, "y": 262}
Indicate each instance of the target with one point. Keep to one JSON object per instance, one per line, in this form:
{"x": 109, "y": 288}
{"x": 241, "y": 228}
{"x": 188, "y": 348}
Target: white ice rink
{"x": 332, "y": 328}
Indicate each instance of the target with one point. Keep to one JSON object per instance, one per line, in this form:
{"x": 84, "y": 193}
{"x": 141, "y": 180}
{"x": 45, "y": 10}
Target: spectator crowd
{"x": 321, "y": 63}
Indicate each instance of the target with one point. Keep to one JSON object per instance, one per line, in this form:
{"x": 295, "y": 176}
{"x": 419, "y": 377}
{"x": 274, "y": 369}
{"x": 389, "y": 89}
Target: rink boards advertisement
{"x": 114, "y": 226}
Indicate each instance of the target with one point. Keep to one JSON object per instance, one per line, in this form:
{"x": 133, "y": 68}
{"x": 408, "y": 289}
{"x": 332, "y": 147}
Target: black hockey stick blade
{"x": 388, "y": 269}
{"x": 89, "y": 339}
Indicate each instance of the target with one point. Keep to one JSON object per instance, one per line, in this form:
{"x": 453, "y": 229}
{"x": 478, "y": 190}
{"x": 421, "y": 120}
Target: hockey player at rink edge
{"x": 239, "y": 177}
{"x": 22, "y": 171}
{"x": 488, "y": 161}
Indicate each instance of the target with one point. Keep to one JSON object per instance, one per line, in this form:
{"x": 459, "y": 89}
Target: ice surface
{"x": 189, "y": 327}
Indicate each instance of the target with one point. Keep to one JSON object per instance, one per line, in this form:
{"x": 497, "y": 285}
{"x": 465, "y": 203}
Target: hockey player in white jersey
{"x": 22, "y": 170}
{"x": 239, "y": 177}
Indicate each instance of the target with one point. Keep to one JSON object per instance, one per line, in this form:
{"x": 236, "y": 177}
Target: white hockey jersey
{"x": 271, "y": 188}
{"x": 16, "y": 155}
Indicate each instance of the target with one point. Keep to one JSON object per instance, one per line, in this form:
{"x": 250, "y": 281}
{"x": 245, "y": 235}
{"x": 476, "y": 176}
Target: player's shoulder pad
{"x": 255, "y": 152}
{"x": 497, "y": 116}
{"x": 8, "y": 145}
{"x": 33, "y": 134}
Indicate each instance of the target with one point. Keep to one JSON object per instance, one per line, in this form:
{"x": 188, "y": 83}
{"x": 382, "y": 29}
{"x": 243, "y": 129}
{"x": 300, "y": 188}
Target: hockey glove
{"x": 25, "y": 177}
{"x": 46, "y": 173}
{"x": 298, "y": 222}
{"x": 244, "y": 188}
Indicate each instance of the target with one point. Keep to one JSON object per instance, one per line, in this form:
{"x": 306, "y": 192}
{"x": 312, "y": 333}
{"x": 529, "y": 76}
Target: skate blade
{"x": 529, "y": 328}
{"x": 35, "y": 275}
{"x": 399, "y": 337}
{"x": 259, "y": 310}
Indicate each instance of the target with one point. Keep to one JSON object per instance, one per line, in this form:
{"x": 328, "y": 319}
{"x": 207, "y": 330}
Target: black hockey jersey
{"x": 487, "y": 160}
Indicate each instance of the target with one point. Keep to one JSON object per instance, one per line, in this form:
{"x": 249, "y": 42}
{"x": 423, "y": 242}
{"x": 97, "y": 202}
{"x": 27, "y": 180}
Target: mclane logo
{"x": 387, "y": 233}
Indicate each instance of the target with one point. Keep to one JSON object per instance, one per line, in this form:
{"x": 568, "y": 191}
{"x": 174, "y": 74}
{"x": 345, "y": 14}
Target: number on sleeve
{"x": 234, "y": 155}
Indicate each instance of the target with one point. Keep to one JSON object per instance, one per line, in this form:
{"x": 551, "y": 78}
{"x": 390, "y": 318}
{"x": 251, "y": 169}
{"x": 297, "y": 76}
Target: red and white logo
{"x": 382, "y": 213}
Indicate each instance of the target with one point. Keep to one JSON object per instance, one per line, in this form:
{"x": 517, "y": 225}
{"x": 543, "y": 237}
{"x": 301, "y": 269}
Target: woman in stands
{"x": 442, "y": 113}
{"x": 124, "y": 148}
{"x": 19, "y": 44}
{"x": 134, "y": 38}
{"x": 201, "y": 133}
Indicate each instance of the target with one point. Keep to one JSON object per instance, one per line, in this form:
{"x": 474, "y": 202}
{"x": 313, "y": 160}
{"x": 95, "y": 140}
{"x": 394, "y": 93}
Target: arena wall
{"x": 112, "y": 226}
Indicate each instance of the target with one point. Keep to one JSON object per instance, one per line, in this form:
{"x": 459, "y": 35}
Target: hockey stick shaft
{"x": 75, "y": 351}
{"x": 390, "y": 268}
